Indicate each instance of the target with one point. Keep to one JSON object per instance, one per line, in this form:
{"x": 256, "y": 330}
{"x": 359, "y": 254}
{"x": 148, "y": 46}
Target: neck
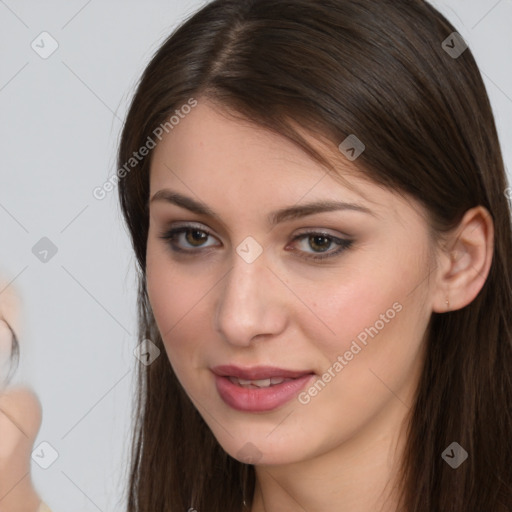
{"x": 360, "y": 474}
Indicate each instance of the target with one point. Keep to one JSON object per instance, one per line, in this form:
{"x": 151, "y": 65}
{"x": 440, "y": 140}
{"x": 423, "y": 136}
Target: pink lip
{"x": 263, "y": 399}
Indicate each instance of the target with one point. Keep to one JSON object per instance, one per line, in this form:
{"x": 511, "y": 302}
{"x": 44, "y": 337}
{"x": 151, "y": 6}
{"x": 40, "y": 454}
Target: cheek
{"x": 171, "y": 293}
{"x": 168, "y": 298}
{"x": 342, "y": 307}
{"x": 370, "y": 304}
{"x": 177, "y": 298}
{"x": 375, "y": 325}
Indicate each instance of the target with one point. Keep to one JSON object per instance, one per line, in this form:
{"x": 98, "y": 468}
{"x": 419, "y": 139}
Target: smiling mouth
{"x": 262, "y": 394}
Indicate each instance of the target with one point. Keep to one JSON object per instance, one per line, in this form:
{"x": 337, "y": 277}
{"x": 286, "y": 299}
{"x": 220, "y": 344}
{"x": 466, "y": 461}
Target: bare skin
{"x": 339, "y": 449}
{"x": 20, "y": 418}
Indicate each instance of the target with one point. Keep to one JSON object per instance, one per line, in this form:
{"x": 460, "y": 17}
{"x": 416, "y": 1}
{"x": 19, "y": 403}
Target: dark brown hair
{"x": 376, "y": 69}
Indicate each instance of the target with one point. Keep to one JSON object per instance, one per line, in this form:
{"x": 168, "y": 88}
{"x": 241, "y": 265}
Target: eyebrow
{"x": 275, "y": 217}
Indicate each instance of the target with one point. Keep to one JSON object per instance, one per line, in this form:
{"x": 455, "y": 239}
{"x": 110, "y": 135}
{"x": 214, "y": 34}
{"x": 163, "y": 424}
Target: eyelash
{"x": 171, "y": 235}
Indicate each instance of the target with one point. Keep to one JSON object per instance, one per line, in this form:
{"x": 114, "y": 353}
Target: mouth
{"x": 259, "y": 389}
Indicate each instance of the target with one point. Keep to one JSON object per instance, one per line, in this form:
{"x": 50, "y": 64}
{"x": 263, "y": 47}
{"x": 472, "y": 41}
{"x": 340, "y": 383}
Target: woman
{"x": 304, "y": 354}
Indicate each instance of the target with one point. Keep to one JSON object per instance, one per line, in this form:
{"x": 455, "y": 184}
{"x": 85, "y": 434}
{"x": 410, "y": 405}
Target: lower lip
{"x": 259, "y": 400}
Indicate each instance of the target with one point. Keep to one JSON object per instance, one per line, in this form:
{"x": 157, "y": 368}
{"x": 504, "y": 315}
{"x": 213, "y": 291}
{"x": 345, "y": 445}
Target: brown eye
{"x": 320, "y": 243}
{"x": 195, "y": 237}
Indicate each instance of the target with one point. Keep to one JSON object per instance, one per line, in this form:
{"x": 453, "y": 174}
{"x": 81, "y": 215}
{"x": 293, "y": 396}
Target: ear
{"x": 465, "y": 261}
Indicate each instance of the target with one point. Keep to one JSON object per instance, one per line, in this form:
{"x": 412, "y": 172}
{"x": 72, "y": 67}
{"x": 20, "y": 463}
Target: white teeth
{"x": 262, "y": 383}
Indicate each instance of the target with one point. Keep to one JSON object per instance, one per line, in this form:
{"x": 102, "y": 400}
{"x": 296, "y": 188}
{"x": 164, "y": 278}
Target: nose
{"x": 250, "y": 302}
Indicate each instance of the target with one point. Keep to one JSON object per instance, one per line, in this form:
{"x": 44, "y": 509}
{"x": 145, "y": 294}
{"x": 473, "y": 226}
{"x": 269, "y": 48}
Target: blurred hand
{"x": 10, "y": 325}
{"x": 20, "y": 418}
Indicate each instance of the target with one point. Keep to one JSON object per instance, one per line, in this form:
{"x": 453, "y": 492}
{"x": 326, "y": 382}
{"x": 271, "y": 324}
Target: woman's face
{"x": 236, "y": 289}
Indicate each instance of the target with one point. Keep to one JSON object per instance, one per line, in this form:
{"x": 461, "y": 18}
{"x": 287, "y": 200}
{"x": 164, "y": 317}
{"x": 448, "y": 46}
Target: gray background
{"x": 60, "y": 120}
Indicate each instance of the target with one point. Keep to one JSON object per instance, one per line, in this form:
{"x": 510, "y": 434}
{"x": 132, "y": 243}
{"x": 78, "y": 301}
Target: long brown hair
{"x": 378, "y": 69}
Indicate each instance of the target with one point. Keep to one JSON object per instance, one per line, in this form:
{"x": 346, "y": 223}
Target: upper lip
{"x": 257, "y": 372}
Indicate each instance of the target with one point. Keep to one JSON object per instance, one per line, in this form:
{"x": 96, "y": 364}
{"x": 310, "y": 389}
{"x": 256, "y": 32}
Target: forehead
{"x": 209, "y": 154}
